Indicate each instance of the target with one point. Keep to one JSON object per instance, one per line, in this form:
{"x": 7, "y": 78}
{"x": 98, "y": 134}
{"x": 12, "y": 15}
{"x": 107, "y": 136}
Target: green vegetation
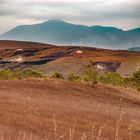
{"x": 128, "y": 82}
{"x": 133, "y": 81}
{"x": 136, "y": 79}
{"x": 116, "y": 79}
{"x": 17, "y": 74}
{"x": 91, "y": 76}
{"x": 29, "y": 73}
{"x": 136, "y": 76}
{"x": 6, "y": 74}
{"x": 57, "y": 75}
{"x": 74, "y": 77}
{"x": 112, "y": 78}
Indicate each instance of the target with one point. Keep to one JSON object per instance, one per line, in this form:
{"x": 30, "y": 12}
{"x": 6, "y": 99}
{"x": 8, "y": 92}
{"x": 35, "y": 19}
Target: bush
{"x": 74, "y": 77}
{"x": 136, "y": 78}
{"x": 6, "y": 74}
{"x": 29, "y": 73}
{"x": 91, "y": 76}
{"x": 128, "y": 82}
{"x": 17, "y": 74}
{"x": 57, "y": 75}
{"x": 10, "y": 74}
{"x": 137, "y": 86}
{"x": 112, "y": 78}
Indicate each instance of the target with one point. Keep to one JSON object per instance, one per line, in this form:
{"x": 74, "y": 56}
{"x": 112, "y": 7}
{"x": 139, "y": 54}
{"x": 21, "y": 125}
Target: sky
{"x": 124, "y": 14}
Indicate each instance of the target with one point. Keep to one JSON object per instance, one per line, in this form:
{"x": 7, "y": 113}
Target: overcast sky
{"x": 124, "y": 14}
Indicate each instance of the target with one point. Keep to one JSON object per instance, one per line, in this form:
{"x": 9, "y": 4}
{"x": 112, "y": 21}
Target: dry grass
{"x": 7, "y": 133}
{"x": 60, "y": 110}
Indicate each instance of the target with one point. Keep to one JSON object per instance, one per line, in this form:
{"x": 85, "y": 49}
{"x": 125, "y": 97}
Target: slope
{"x": 39, "y": 110}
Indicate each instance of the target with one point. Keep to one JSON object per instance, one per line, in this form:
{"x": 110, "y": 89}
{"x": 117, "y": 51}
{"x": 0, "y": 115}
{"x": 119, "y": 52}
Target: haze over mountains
{"x": 63, "y": 33}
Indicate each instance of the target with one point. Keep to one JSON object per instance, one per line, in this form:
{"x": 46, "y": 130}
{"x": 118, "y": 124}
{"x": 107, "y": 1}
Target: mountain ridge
{"x": 63, "y": 33}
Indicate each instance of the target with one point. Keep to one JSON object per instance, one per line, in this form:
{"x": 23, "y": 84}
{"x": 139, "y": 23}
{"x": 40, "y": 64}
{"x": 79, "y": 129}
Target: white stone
{"x": 20, "y": 59}
{"x": 100, "y": 67}
{"x": 79, "y": 52}
{"x": 19, "y": 50}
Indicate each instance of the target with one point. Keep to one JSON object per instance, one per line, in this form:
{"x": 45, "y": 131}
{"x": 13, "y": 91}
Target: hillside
{"x": 66, "y": 59}
{"x": 47, "y": 108}
{"x": 63, "y": 33}
{"x": 40, "y": 110}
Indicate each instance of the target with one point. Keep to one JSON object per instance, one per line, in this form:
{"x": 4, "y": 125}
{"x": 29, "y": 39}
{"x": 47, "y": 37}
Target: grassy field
{"x": 63, "y": 110}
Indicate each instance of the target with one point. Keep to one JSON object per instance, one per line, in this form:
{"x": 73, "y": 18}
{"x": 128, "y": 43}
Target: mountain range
{"x": 62, "y": 33}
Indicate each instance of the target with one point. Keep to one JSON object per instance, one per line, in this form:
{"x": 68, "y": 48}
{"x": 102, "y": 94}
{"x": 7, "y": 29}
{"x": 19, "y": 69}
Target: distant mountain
{"x": 135, "y": 49}
{"x": 63, "y": 33}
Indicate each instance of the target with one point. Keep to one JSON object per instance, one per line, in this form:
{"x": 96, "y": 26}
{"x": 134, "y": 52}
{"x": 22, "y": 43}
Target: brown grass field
{"x": 62, "y": 110}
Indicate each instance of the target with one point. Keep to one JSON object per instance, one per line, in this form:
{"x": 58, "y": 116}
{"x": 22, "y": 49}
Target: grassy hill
{"x": 67, "y": 106}
{"x": 52, "y": 109}
{"x": 66, "y": 59}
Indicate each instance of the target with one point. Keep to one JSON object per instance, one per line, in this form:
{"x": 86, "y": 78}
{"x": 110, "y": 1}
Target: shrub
{"x": 137, "y": 85}
{"x": 29, "y": 73}
{"x": 57, "y": 75}
{"x": 136, "y": 78}
{"x": 91, "y": 76}
{"x": 112, "y": 78}
{"x": 10, "y": 74}
{"x": 74, "y": 77}
{"x": 128, "y": 81}
{"x": 6, "y": 74}
{"x": 17, "y": 74}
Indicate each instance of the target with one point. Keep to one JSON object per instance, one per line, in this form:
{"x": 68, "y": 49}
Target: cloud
{"x": 90, "y": 12}
{"x": 2, "y": 1}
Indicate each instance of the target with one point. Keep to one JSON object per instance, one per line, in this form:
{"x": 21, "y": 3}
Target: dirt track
{"x": 34, "y": 106}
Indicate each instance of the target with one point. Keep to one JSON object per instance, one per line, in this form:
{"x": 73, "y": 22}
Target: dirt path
{"x": 47, "y": 108}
